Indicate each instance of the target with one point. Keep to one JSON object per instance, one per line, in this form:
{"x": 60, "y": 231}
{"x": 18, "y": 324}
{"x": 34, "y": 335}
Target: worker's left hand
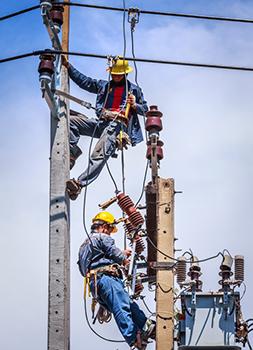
{"x": 131, "y": 100}
{"x": 127, "y": 252}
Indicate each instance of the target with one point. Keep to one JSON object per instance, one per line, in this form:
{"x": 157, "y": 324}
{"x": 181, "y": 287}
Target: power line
{"x": 144, "y": 12}
{"x": 144, "y": 60}
{"x": 14, "y": 14}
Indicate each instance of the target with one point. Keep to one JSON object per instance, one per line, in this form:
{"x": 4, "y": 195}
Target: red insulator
{"x": 140, "y": 246}
{"x": 125, "y": 203}
{"x": 128, "y": 227}
{"x": 159, "y": 150}
{"x": 138, "y": 288}
{"x": 153, "y": 112}
{"x": 127, "y": 206}
{"x": 153, "y": 124}
{"x": 46, "y": 66}
{"x": 136, "y": 219}
{"x": 56, "y": 15}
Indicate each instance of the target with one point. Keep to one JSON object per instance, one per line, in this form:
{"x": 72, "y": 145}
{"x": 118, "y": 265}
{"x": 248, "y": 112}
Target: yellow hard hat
{"x": 120, "y": 67}
{"x": 106, "y": 217}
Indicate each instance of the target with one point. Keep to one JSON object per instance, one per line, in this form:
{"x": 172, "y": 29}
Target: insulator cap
{"x": 153, "y": 112}
{"x": 227, "y": 262}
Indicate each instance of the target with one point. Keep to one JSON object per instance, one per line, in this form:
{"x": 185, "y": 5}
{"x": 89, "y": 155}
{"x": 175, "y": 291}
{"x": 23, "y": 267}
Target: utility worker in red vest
{"x": 102, "y": 261}
{"x": 118, "y": 104}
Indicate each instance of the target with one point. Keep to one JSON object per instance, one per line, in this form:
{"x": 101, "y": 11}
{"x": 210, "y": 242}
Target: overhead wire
{"x": 145, "y": 12}
{"x": 187, "y": 261}
{"x": 144, "y": 60}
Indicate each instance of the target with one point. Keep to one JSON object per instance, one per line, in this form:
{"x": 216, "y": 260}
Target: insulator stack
{"x": 239, "y": 268}
{"x": 128, "y": 227}
{"x": 46, "y": 66}
{"x": 225, "y": 270}
{"x": 159, "y": 150}
{"x": 181, "y": 270}
{"x": 127, "y": 206}
{"x": 140, "y": 245}
{"x": 195, "y": 273}
{"x": 56, "y": 15}
{"x": 153, "y": 123}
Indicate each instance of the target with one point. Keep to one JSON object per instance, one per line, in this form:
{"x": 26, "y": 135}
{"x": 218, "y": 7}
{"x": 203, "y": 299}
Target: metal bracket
{"x": 50, "y": 28}
{"x": 50, "y": 99}
{"x": 162, "y": 265}
{"x": 85, "y": 104}
{"x": 133, "y": 17}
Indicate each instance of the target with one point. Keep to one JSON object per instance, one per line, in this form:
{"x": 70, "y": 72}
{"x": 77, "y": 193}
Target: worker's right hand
{"x": 64, "y": 61}
{"x": 127, "y": 252}
{"x": 126, "y": 262}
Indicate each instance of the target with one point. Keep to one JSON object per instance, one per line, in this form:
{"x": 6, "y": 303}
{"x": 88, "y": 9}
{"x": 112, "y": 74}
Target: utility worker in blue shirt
{"x": 113, "y": 97}
{"x": 101, "y": 260}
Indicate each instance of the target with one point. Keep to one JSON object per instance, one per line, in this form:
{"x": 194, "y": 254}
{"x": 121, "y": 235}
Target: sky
{"x": 207, "y": 134}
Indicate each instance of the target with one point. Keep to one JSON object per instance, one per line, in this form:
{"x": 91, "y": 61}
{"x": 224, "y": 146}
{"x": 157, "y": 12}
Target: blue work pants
{"x": 105, "y": 131}
{"x": 128, "y": 316}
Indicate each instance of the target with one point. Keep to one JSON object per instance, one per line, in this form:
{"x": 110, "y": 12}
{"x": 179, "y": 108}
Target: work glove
{"x": 131, "y": 100}
{"x": 122, "y": 141}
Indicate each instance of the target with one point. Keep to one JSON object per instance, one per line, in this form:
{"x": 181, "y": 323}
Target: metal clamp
{"x": 133, "y": 17}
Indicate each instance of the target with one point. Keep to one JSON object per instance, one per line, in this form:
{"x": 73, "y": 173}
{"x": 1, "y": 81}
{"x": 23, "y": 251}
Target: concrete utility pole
{"x": 164, "y": 276}
{"x": 59, "y": 239}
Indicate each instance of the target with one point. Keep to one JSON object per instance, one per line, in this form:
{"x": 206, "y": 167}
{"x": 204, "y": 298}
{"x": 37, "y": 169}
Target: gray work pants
{"x": 105, "y": 131}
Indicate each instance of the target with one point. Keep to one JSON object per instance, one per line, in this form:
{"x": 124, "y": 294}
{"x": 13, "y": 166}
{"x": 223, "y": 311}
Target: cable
{"x": 158, "y": 13}
{"x": 92, "y": 329}
{"x": 20, "y": 12}
{"x": 202, "y": 329}
{"x": 170, "y": 257}
{"x": 145, "y": 304}
{"x": 144, "y": 60}
{"x": 248, "y": 342}
{"x": 143, "y": 185}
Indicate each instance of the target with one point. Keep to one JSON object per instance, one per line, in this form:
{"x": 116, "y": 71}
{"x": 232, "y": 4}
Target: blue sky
{"x": 208, "y": 149}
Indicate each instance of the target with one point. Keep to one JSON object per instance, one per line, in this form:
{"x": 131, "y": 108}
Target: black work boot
{"x": 73, "y": 188}
{"x": 75, "y": 152}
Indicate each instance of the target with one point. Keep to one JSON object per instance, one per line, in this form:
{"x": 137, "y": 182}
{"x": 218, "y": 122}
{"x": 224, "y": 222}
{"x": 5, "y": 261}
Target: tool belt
{"x": 118, "y": 116}
{"x": 111, "y": 270}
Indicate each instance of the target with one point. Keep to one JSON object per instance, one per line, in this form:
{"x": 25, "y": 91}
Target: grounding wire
{"x": 187, "y": 261}
{"x": 146, "y": 135}
{"x": 93, "y": 330}
{"x": 145, "y": 12}
{"x": 144, "y": 60}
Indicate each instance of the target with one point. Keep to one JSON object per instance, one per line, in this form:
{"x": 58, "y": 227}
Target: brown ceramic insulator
{"x": 125, "y": 203}
{"x": 153, "y": 124}
{"x": 159, "y": 150}
{"x": 140, "y": 246}
{"x": 138, "y": 288}
{"x": 153, "y": 112}
{"x": 136, "y": 219}
{"x": 46, "y": 64}
{"x": 128, "y": 227}
{"x": 56, "y": 14}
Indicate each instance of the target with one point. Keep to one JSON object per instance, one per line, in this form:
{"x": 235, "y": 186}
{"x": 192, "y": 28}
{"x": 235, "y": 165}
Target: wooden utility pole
{"x": 59, "y": 238}
{"x": 164, "y": 276}
{"x": 160, "y": 230}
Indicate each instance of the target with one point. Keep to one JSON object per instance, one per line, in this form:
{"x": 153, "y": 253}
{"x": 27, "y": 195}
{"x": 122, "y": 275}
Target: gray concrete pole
{"x": 59, "y": 238}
